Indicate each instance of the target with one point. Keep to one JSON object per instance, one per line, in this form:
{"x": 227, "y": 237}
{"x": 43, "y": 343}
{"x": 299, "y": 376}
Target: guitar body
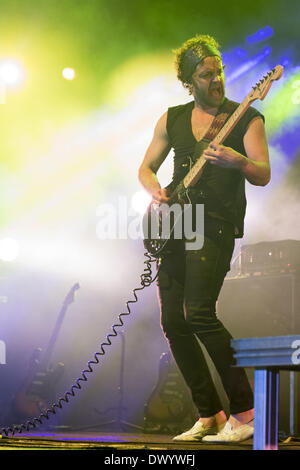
{"x": 163, "y": 227}
{"x": 37, "y": 390}
{"x": 158, "y": 241}
{"x": 24, "y": 403}
{"x": 41, "y": 380}
{"x": 169, "y": 403}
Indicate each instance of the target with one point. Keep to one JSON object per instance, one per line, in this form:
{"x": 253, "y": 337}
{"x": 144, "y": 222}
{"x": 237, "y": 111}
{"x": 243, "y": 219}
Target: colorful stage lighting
{"x": 140, "y": 201}
{"x": 11, "y": 73}
{"x": 68, "y": 73}
{"x": 260, "y": 35}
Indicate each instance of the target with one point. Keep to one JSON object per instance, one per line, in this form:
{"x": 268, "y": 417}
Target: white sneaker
{"x": 239, "y": 434}
{"x": 196, "y": 433}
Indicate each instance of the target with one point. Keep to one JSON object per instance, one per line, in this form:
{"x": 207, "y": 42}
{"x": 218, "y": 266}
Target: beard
{"x": 211, "y": 98}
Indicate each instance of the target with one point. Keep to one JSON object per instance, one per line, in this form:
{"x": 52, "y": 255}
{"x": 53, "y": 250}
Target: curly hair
{"x": 191, "y": 53}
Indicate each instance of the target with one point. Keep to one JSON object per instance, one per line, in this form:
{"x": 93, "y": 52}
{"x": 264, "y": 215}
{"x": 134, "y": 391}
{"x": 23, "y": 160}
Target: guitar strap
{"x": 205, "y": 192}
{"x": 224, "y": 112}
{"x": 226, "y": 109}
{"x": 221, "y": 117}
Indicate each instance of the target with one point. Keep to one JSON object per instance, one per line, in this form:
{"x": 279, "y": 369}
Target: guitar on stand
{"x": 39, "y": 385}
{"x": 169, "y": 407}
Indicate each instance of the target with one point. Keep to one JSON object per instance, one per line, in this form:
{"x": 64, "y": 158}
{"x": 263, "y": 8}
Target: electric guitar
{"x": 156, "y": 240}
{"x": 39, "y": 384}
{"x": 169, "y": 403}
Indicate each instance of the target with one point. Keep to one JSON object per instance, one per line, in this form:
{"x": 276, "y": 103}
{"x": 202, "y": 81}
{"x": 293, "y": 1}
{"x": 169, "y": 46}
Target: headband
{"x": 192, "y": 58}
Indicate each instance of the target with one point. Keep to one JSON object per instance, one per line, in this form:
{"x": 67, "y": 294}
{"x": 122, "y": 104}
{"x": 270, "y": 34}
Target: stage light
{"x": 11, "y": 73}
{"x": 260, "y": 35}
{"x": 9, "y": 249}
{"x": 249, "y": 64}
{"x": 68, "y": 73}
{"x": 140, "y": 201}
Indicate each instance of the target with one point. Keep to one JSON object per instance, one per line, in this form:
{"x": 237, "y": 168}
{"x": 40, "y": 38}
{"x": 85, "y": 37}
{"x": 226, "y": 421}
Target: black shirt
{"x": 225, "y": 187}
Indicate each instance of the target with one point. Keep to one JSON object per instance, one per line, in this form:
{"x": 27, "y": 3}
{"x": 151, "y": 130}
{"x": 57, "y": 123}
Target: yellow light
{"x": 11, "y": 73}
{"x": 68, "y": 73}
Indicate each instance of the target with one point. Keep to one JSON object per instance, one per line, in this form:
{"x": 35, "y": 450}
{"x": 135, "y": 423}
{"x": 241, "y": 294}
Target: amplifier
{"x": 260, "y": 306}
{"x": 270, "y": 257}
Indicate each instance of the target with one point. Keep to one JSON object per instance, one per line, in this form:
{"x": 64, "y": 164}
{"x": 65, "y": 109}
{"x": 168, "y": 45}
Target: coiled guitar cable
{"x": 146, "y": 280}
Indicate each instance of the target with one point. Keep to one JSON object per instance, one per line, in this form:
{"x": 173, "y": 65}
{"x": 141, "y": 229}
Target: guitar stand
{"x": 118, "y": 422}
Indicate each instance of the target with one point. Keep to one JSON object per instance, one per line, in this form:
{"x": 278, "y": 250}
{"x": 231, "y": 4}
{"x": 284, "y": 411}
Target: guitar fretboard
{"x": 195, "y": 172}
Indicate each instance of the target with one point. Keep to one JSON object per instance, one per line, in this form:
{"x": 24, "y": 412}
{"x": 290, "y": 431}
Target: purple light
{"x": 260, "y": 35}
{"x": 76, "y": 437}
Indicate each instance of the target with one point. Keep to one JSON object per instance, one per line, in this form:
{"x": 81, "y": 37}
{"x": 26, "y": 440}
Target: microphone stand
{"x": 118, "y": 422}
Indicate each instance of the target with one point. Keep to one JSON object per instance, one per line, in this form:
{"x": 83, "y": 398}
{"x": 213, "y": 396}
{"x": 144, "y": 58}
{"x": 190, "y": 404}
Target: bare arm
{"x": 255, "y": 165}
{"x": 154, "y": 157}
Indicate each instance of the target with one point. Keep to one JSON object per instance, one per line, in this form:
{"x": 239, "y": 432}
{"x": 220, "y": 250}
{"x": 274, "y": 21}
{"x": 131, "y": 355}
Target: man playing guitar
{"x": 189, "y": 281}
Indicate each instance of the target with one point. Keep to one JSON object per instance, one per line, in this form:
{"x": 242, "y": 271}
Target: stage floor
{"x": 118, "y": 442}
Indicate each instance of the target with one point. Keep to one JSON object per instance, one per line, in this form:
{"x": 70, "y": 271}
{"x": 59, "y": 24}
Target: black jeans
{"x": 189, "y": 283}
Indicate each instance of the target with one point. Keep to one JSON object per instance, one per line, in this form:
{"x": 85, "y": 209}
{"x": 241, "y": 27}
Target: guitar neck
{"x": 52, "y": 341}
{"x": 68, "y": 300}
{"x": 195, "y": 172}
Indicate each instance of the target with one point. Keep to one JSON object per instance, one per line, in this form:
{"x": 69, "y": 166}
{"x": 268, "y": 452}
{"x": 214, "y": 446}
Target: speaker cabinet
{"x": 260, "y": 305}
{"x": 268, "y": 305}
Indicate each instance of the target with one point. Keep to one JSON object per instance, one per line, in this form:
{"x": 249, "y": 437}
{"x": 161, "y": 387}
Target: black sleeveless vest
{"x": 224, "y": 188}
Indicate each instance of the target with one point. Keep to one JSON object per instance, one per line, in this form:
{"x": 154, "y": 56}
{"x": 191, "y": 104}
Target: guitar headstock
{"x": 261, "y": 89}
{"x": 70, "y": 297}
